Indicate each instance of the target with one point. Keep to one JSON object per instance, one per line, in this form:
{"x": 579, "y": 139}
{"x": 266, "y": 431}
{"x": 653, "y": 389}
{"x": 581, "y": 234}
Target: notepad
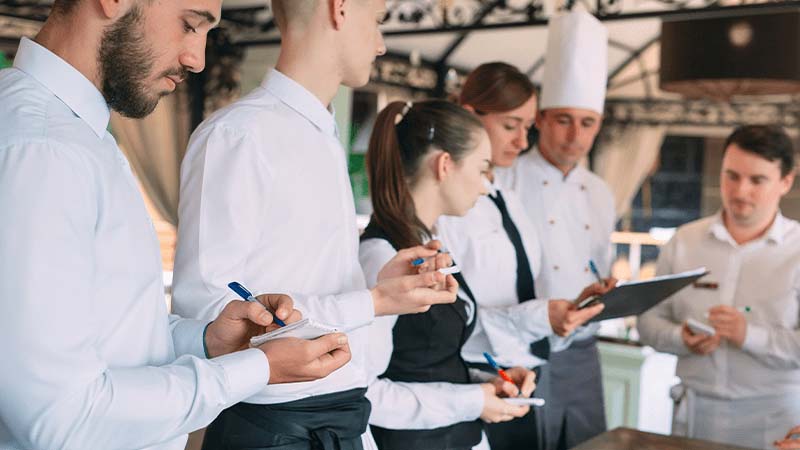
{"x": 522, "y": 401}
{"x": 303, "y": 329}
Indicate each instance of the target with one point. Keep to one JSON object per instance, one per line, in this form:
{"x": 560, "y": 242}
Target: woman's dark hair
{"x": 496, "y": 87}
{"x": 767, "y": 141}
{"x": 396, "y": 151}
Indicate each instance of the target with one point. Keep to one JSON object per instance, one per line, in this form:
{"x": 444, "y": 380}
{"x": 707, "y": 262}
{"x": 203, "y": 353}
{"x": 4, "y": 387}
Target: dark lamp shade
{"x": 723, "y": 57}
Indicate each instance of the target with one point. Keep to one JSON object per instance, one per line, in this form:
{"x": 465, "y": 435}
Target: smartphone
{"x": 698, "y": 327}
{"x": 303, "y": 329}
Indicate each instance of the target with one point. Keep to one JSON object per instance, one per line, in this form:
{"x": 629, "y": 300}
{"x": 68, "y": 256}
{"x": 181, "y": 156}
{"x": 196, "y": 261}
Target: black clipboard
{"x": 635, "y": 298}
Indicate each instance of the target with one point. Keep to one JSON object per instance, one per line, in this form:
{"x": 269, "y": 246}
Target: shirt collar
{"x": 301, "y": 100}
{"x": 576, "y": 175}
{"x": 65, "y": 82}
{"x": 774, "y": 234}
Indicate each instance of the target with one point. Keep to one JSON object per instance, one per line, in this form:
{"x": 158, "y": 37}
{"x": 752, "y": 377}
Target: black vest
{"x": 427, "y": 348}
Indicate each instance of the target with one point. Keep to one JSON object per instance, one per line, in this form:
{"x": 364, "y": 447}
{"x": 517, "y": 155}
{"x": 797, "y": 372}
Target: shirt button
{"x": 586, "y": 269}
{"x": 555, "y": 267}
{"x": 545, "y": 182}
{"x": 583, "y": 187}
{"x": 587, "y": 226}
{"x": 552, "y": 221}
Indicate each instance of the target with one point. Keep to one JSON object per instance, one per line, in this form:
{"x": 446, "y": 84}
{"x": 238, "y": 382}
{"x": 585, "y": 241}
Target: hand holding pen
{"x": 239, "y": 321}
{"x": 402, "y": 264}
{"x": 606, "y": 283}
{"x": 513, "y": 382}
{"x": 279, "y": 306}
{"x": 730, "y": 322}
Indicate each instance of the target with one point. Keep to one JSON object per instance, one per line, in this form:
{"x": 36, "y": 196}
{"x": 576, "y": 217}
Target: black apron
{"x": 427, "y": 348}
{"x": 323, "y": 422}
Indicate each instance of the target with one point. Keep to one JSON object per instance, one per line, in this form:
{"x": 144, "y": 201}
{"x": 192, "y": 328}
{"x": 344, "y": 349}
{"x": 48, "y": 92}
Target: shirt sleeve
{"x": 404, "y": 406}
{"x": 222, "y": 178}
{"x": 658, "y": 326}
{"x": 524, "y": 322}
{"x": 56, "y": 391}
{"x": 775, "y": 347}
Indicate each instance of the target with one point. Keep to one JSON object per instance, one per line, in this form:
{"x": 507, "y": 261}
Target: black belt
{"x": 325, "y": 422}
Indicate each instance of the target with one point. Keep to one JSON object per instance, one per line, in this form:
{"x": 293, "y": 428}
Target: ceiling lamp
{"x": 723, "y": 56}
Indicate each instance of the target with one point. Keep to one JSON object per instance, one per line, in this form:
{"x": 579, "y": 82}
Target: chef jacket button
{"x": 555, "y": 267}
{"x": 545, "y": 182}
{"x": 583, "y": 187}
{"x": 552, "y": 221}
{"x": 586, "y": 269}
{"x": 587, "y": 226}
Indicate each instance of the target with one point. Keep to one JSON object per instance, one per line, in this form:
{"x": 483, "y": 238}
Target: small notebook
{"x": 303, "y": 329}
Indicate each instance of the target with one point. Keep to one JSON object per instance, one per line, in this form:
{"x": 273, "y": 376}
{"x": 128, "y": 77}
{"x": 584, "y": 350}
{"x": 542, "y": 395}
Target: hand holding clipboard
{"x": 634, "y": 298}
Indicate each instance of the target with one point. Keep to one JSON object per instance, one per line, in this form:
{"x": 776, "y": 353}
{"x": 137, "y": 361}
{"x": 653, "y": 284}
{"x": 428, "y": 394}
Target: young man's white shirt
{"x": 90, "y": 351}
{"x": 763, "y": 274}
{"x": 265, "y": 200}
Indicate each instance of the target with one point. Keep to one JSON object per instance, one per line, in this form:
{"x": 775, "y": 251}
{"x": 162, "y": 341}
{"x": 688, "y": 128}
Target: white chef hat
{"x": 576, "y": 63}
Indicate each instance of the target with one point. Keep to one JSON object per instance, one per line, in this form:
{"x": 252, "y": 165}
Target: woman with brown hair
{"x": 425, "y": 160}
{"x": 498, "y": 250}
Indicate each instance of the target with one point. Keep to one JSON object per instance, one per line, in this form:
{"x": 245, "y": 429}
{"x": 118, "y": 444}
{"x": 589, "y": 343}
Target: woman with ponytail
{"x": 426, "y": 160}
{"x": 498, "y": 251}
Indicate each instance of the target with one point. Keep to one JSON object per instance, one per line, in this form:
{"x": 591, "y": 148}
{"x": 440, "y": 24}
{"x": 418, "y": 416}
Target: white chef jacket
{"x": 482, "y": 249}
{"x": 265, "y": 200}
{"x": 403, "y": 405}
{"x": 89, "y": 352}
{"x": 752, "y": 393}
{"x": 574, "y": 219}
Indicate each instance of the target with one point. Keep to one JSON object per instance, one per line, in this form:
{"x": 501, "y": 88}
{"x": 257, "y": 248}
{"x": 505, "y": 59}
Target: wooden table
{"x": 628, "y": 439}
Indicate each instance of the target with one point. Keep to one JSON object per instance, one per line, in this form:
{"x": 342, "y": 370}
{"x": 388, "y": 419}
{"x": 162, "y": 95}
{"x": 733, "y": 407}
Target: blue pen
{"x": 242, "y": 291}
{"x": 596, "y": 273}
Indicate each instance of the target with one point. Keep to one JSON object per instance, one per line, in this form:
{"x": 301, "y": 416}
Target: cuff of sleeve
{"x": 480, "y": 376}
{"x": 187, "y": 336}
{"x": 360, "y": 306}
{"x": 246, "y": 372}
{"x": 756, "y": 339}
{"x": 473, "y": 402}
{"x": 533, "y": 319}
{"x": 357, "y": 307}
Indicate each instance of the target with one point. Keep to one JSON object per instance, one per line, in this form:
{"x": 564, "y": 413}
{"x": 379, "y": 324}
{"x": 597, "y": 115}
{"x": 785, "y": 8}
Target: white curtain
{"x": 155, "y": 147}
{"x": 625, "y": 157}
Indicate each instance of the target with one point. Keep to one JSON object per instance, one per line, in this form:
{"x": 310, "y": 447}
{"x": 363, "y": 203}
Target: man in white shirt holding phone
{"x": 741, "y": 374}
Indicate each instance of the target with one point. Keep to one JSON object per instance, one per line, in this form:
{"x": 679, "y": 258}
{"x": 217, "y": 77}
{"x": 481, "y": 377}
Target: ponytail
{"x": 403, "y": 135}
{"x": 392, "y": 203}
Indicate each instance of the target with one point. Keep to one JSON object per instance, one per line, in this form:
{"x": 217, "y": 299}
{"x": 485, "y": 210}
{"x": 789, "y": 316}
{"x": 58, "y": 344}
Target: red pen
{"x": 500, "y": 371}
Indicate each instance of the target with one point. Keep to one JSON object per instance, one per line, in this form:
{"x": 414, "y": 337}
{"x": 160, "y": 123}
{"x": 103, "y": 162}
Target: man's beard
{"x": 125, "y": 62}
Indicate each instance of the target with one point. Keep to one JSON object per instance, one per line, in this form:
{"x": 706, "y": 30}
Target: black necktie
{"x": 526, "y": 289}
